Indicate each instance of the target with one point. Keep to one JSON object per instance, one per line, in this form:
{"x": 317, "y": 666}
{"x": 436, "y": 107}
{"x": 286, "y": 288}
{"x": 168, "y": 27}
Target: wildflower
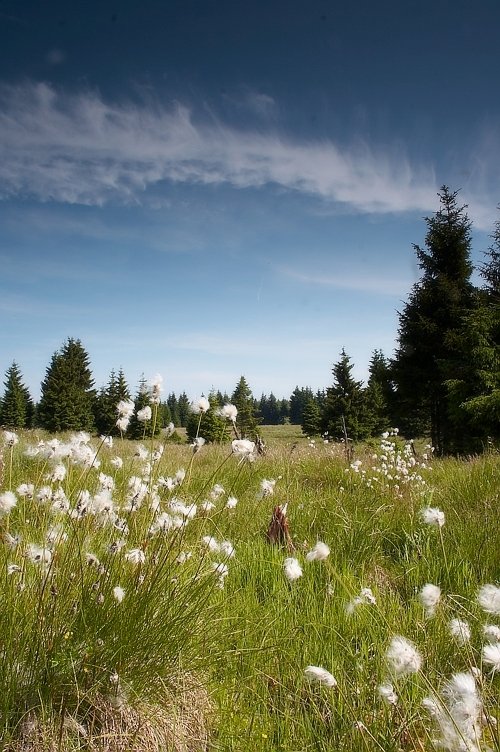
{"x": 231, "y": 502}
{"x": 122, "y": 424}
{"x": 293, "y": 570}
{"x": 230, "y": 412}
{"x": 197, "y": 444}
{"x": 92, "y": 560}
{"x": 202, "y": 405}
{"x": 38, "y": 555}
{"x": 319, "y": 675}
{"x": 266, "y": 488}
{"x": 10, "y": 438}
{"x": 460, "y": 630}
{"x": 491, "y": 633}
{"x": 118, "y": 593}
{"x": 11, "y": 541}
{"x": 144, "y": 414}
{"x": 432, "y": 516}
{"x": 7, "y": 502}
{"x": 135, "y": 556}
{"x": 429, "y": 597}
{"x": 211, "y": 543}
{"x": 207, "y": 506}
{"x": 227, "y": 548}
{"x": 125, "y": 408}
{"x": 183, "y": 557}
{"x": 320, "y": 552}
{"x": 26, "y": 490}
{"x": 117, "y": 462}
{"x": 57, "y": 474}
{"x": 489, "y": 599}
{"x": 457, "y": 714}
{"x": 107, "y": 441}
{"x": 221, "y": 570}
{"x": 216, "y": 491}
{"x": 491, "y": 656}
{"x": 243, "y": 447}
{"x": 402, "y": 657}
{"x": 387, "y": 693}
{"x": 155, "y": 389}
{"x": 12, "y": 568}
{"x": 365, "y": 596}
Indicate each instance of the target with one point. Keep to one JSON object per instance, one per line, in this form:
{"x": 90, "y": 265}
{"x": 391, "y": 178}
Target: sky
{"x": 209, "y": 188}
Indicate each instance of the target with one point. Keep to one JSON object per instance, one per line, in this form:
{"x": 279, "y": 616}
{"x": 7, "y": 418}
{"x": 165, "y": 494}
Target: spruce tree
{"x": 211, "y": 426}
{"x": 67, "y": 394}
{"x": 474, "y": 392}
{"x": 379, "y": 394}
{"x": 430, "y": 330}
{"x": 183, "y": 409}
{"x": 246, "y": 422}
{"x": 138, "y": 429}
{"x": 345, "y": 403}
{"x": 16, "y": 405}
{"x": 108, "y": 398}
{"x": 311, "y": 418}
{"x": 298, "y": 400}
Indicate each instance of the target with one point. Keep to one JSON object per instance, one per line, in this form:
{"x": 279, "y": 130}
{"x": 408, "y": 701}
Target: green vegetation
{"x": 127, "y": 566}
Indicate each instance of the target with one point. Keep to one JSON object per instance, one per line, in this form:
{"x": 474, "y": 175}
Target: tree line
{"x": 443, "y": 380}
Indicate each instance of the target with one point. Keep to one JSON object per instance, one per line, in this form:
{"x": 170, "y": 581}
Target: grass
{"x": 248, "y": 636}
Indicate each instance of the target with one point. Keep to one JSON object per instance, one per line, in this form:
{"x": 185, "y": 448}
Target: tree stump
{"x": 278, "y": 532}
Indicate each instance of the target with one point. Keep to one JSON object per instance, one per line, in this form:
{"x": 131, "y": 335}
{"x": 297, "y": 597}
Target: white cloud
{"x": 359, "y": 282}
{"x": 78, "y": 148}
{"x": 81, "y": 149}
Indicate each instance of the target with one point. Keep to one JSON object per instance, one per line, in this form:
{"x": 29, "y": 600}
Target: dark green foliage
{"x": 183, "y": 409}
{"x": 311, "y": 418}
{"x": 379, "y": 395}
{"x": 210, "y": 425}
{"x": 299, "y": 398}
{"x": 105, "y": 413}
{"x": 143, "y": 430}
{"x": 67, "y": 395}
{"x": 430, "y": 329}
{"x": 474, "y": 392}
{"x": 16, "y": 406}
{"x": 345, "y": 403}
{"x": 246, "y": 422}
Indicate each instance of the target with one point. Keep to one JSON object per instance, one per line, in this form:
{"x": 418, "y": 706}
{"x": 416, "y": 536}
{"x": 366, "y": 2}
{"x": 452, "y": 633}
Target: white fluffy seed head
{"x": 292, "y": 568}
{"x": 488, "y": 598}
{"x": 402, "y": 657}
{"x": 319, "y": 675}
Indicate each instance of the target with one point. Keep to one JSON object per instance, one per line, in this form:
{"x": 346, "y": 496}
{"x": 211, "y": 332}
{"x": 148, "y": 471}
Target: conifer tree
{"x": 246, "y": 422}
{"x": 174, "y": 411}
{"x": 311, "y": 418}
{"x": 183, "y": 409}
{"x": 139, "y": 429}
{"x": 67, "y": 394}
{"x": 379, "y": 394}
{"x": 108, "y": 398}
{"x": 298, "y": 400}
{"x": 474, "y": 392}
{"x": 211, "y": 426}
{"x": 430, "y": 330}
{"x": 16, "y": 405}
{"x": 345, "y": 404}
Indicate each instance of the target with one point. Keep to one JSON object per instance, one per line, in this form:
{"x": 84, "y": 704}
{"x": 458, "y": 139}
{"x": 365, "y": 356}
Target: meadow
{"x": 143, "y": 606}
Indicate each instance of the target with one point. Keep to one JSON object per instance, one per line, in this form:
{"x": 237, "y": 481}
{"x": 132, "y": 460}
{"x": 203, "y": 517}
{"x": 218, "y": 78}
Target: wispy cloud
{"x": 78, "y": 148}
{"x": 355, "y": 281}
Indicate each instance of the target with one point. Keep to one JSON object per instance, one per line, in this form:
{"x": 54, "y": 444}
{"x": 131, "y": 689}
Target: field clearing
{"x": 210, "y": 597}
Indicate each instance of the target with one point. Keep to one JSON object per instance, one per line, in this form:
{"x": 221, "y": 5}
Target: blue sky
{"x": 208, "y": 189}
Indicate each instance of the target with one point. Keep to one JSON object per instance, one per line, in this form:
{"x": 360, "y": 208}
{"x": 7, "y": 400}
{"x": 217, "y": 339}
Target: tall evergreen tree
{"x": 379, "y": 394}
{"x": 311, "y": 418}
{"x": 138, "y": 429}
{"x": 299, "y": 398}
{"x": 183, "y": 409}
{"x": 16, "y": 405}
{"x": 345, "y": 404}
{"x": 211, "y": 426}
{"x": 67, "y": 393}
{"x": 108, "y": 398}
{"x": 246, "y": 422}
{"x": 474, "y": 392}
{"x": 430, "y": 327}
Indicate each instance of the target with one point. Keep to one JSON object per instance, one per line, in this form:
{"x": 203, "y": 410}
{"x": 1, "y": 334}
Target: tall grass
{"x": 190, "y": 605}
